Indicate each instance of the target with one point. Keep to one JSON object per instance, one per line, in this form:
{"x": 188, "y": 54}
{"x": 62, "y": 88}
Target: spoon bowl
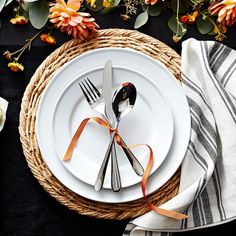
{"x": 124, "y": 100}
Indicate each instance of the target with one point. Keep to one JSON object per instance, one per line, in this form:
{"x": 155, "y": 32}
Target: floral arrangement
{"x": 212, "y": 17}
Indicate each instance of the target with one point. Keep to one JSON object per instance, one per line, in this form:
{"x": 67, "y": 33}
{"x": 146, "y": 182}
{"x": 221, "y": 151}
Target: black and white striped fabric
{"x": 207, "y": 191}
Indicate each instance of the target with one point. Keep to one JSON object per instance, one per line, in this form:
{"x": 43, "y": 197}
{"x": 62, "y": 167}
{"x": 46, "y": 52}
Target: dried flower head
{"x": 18, "y": 20}
{"x": 220, "y": 37}
{"x": 226, "y": 11}
{"x": 48, "y": 39}
{"x": 7, "y": 55}
{"x": 176, "y": 38}
{"x": 66, "y": 17}
{"x": 125, "y": 17}
{"x": 15, "y": 66}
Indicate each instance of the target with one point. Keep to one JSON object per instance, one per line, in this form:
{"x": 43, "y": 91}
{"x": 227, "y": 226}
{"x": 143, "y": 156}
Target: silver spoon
{"x": 124, "y": 100}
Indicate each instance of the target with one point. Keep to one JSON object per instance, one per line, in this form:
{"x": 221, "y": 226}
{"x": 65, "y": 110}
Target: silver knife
{"x": 107, "y": 94}
{"x": 111, "y": 118}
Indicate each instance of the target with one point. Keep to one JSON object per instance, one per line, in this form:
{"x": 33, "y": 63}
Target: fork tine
{"x": 89, "y": 91}
{"x": 93, "y": 86}
{"x": 86, "y": 94}
{"x": 92, "y": 91}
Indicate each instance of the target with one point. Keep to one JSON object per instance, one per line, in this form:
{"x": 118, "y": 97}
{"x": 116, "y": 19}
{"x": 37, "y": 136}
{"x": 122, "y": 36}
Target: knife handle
{"x": 115, "y": 173}
{"x": 132, "y": 159}
{"x": 116, "y": 183}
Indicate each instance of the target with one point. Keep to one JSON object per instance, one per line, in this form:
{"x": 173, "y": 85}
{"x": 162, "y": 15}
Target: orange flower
{"x": 18, "y": 20}
{"x": 15, "y": 66}
{"x": 190, "y": 18}
{"x": 226, "y": 11}
{"x": 152, "y": 2}
{"x": 48, "y": 39}
{"x": 66, "y": 17}
{"x": 184, "y": 19}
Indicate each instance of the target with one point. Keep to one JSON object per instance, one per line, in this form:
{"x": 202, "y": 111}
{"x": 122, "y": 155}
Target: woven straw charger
{"x": 105, "y": 38}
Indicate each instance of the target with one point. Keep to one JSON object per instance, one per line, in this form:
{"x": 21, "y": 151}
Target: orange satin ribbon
{"x": 75, "y": 138}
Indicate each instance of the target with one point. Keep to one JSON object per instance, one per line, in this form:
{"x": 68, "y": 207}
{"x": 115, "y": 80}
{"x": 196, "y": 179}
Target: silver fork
{"x": 97, "y": 103}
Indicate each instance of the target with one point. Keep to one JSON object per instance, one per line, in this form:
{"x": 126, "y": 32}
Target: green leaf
{"x": 108, "y": 9}
{"x": 2, "y": 4}
{"x": 24, "y": 13}
{"x": 204, "y": 26}
{"x": 183, "y": 7}
{"x": 152, "y": 10}
{"x": 26, "y": 5}
{"x": 96, "y": 7}
{"x": 141, "y": 20}
{"x": 38, "y": 14}
{"x": 145, "y": 7}
{"x": 212, "y": 33}
{"x": 172, "y": 23}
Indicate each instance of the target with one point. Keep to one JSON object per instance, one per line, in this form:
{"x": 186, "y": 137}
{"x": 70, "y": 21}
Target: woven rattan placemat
{"x": 105, "y": 38}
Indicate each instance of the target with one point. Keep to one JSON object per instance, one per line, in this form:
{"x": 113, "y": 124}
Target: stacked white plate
{"x": 159, "y": 118}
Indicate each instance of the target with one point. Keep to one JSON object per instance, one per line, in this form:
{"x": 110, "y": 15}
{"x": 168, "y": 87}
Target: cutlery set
{"x": 112, "y": 108}
{"x": 161, "y": 108}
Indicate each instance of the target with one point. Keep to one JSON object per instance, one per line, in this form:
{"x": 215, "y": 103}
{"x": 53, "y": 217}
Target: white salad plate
{"x": 150, "y": 121}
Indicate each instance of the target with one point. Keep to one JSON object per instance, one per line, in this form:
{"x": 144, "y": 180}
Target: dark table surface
{"x": 26, "y": 208}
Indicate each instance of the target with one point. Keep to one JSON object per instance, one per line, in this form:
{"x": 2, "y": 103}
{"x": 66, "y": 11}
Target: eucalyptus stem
{"x": 177, "y": 18}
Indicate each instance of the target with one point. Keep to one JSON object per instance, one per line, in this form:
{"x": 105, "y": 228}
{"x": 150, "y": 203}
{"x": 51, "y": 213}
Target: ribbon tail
{"x": 169, "y": 213}
{"x": 74, "y": 140}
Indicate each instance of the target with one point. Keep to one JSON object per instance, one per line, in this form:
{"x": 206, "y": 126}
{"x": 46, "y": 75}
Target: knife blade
{"x": 111, "y": 118}
{"x": 107, "y": 92}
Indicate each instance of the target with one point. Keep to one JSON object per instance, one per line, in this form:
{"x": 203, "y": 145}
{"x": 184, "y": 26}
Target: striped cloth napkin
{"x": 3, "y": 110}
{"x": 207, "y": 191}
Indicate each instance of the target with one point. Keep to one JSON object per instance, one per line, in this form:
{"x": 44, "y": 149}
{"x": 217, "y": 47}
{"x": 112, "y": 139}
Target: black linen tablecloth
{"x": 26, "y": 208}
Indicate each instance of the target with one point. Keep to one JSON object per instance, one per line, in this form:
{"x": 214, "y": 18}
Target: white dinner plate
{"x": 146, "y": 69}
{"x": 150, "y": 121}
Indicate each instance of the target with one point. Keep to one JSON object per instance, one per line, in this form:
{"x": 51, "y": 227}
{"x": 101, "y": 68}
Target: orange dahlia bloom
{"x": 66, "y": 17}
{"x": 226, "y": 11}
